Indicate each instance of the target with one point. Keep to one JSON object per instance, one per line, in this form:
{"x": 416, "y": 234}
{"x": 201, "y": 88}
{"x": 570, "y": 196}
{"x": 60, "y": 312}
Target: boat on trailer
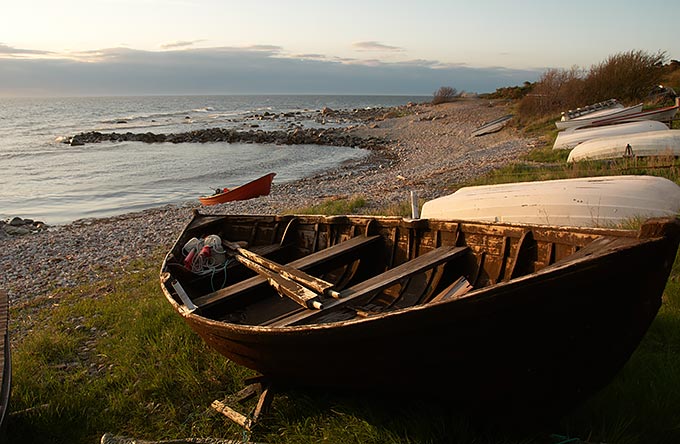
{"x": 588, "y": 119}
{"x": 659, "y": 114}
{"x": 482, "y": 315}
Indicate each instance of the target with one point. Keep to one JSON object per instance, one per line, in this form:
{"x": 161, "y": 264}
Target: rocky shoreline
{"x": 427, "y": 149}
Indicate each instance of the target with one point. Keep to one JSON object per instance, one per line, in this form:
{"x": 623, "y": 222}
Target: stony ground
{"x": 430, "y": 151}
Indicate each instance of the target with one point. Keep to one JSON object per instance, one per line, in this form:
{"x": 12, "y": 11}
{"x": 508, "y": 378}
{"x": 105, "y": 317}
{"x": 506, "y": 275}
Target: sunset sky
{"x": 384, "y": 47}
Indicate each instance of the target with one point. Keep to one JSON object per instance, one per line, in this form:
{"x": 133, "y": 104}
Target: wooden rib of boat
{"x": 569, "y": 138}
{"x": 258, "y": 187}
{"x": 492, "y": 126}
{"x": 5, "y": 355}
{"x": 659, "y": 114}
{"x": 605, "y": 201}
{"x": 489, "y": 316}
{"x": 650, "y": 144}
{"x": 588, "y": 119}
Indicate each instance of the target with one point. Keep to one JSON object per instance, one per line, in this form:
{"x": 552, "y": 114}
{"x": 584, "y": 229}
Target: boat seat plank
{"x": 339, "y": 252}
{"x": 379, "y": 282}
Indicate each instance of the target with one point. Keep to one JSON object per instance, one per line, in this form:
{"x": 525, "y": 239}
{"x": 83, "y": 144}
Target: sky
{"x": 132, "y": 47}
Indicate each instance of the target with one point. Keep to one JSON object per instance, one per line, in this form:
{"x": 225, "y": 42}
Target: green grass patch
{"x": 115, "y": 358}
{"x": 331, "y": 206}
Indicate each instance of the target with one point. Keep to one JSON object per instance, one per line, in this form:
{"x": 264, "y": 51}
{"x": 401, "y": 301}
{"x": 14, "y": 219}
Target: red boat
{"x": 258, "y": 187}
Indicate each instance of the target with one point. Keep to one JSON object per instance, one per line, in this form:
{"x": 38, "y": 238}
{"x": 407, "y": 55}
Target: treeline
{"x": 629, "y": 77}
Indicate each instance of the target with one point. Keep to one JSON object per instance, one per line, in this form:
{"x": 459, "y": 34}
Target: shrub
{"x": 627, "y": 76}
{"x": 444, "y": 94}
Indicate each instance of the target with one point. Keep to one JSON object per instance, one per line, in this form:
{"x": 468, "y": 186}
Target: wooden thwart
{"x": 377, "y": 283}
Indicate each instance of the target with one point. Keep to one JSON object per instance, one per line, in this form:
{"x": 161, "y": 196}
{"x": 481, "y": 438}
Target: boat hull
{"x": 258, "y": 187}
{"x": 582, "y": 202}
{"x": 570, "y": 138}
{"x": 552, "y": 317}
{"x": 651, "y": 144}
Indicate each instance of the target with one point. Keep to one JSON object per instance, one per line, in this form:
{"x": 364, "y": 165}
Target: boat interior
{"x": 371, "y": 265}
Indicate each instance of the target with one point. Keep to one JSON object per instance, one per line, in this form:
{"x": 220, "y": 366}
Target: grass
{"x": 114, "y": 357}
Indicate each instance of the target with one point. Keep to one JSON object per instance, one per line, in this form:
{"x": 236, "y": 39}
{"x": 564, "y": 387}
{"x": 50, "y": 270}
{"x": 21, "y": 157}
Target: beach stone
{"x": 13, "y": 230}
{"x": 16, "y": 222}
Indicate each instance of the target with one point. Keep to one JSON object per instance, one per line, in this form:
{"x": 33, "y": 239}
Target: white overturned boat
{"x": 573, "y": 136}
{"x": 584, "y": 202}
{"x": 654, "y": 143}
{"x": 493, "y": 126}
{"x": 589, "y": 118}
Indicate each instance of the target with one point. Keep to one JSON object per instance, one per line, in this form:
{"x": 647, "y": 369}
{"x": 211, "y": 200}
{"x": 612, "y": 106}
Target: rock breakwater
{"x": 297, "y": 136}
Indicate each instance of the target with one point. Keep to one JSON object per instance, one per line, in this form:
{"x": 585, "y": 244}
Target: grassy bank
{"x": 113, "y": 357}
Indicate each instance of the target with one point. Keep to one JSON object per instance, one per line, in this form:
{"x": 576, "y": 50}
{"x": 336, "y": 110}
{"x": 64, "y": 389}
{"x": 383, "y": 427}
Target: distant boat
{"x": 493, "y": 126}
{"x": 258, "y": 187}
{"x": 654, "y": 143}
{"x": 588, "y": 119}
{"x": 659, "y": 114}
{"x": 582, "y": 111}
{"x": 573, "y": 136}
{"x": 582, "y": 202}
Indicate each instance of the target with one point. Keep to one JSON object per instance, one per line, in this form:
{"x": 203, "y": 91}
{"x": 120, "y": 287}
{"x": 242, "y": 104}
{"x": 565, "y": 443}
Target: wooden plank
{"x": 318, "y": 260}
{"x": 232, "y": 414}
{"x": 286, "y": 271}
{"x": 379, "y": 282}
{"x": 454, "y": 291}
{"x": 283, "y": 285}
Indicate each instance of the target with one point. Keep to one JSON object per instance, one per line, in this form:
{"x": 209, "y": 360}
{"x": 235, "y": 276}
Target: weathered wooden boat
{"x": 490, "y": 316}
{"x": 258, "y": 187}
{"x": 5, "y": 355}
{"x": 589, "y": 118}
{"x": 650, "y": 144}
{"x": 492, "y": 126}
{"x": 605, "y": 201}
{"x": 571, "y": 137}
{"x": 659, "y": 114}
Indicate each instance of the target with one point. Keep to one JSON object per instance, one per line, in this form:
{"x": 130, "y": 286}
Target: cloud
{"x": 262, "y": 69}
{"x": 375, "y": 46}
{"x": 11, "y": 51}
{"x": 180, "y": 44}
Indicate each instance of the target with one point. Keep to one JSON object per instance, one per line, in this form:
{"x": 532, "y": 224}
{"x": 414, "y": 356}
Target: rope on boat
{"x": 206, "y": 257}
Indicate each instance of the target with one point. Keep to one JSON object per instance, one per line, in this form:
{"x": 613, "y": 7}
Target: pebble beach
{"x": 429, "y": 149}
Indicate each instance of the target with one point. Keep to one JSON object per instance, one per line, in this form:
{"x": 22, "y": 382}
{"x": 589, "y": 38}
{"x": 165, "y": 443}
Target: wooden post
{"x": 415, "y": 213}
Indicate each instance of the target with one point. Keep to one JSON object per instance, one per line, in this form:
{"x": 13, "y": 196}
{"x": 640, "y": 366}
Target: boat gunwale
{"x": 472, "y": 297}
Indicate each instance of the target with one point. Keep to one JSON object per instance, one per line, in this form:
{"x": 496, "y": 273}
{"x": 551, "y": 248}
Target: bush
{"x": 444, "y": 94}
{"x": 627, "y": 76}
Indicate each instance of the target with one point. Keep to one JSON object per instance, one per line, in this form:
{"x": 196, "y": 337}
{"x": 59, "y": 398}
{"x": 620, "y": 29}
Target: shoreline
{"x": 428, "y": 149}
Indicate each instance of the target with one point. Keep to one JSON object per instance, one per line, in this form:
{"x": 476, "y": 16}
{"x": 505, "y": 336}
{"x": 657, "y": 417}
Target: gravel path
{"x": 431, "y": 150}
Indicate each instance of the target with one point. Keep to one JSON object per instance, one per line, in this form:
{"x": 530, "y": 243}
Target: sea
{"x": 44, "y": 179}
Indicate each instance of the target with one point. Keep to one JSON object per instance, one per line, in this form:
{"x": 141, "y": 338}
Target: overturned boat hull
{"x": 570, "y": 138}
{"x": 604, "y": 201}
{"x": 650, "y": 144}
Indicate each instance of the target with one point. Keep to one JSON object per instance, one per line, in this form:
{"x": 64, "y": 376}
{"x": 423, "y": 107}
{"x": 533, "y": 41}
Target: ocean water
{"x": 44, "y": 179}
